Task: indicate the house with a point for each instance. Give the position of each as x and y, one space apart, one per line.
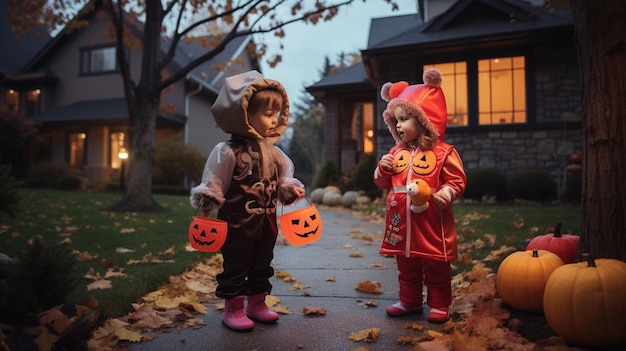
511 81
71 86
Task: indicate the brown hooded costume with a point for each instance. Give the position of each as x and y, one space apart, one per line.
243 178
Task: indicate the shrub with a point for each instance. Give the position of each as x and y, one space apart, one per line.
174 161
328 175
39 278
55 175
363 177
533 185
483 182
9 195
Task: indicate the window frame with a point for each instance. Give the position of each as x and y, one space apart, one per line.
87 57
473 95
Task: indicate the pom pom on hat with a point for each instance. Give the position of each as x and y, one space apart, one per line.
392 90
432 77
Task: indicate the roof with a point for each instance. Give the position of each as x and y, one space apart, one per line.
95 111
21 49
353 75
473 19
465 21
185 53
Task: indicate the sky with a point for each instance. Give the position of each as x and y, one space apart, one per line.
306 46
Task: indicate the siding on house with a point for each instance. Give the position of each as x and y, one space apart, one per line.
468 31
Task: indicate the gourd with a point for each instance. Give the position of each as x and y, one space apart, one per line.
563 245
317 195
349 198
585 302
331 198
522 277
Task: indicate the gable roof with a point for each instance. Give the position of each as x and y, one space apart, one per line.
21 49
95 111
477 19
466 20
185 53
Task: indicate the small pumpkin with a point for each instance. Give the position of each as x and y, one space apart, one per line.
584 302
522 277
302 226
424 162
563 245
207 234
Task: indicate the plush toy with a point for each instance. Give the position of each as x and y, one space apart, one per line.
419 192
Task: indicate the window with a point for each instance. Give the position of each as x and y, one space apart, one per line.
454 86
77 149
368 128
12 99
501 91
32 102
500 87
98 60
117 145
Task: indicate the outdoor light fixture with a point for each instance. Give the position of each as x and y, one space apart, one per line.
123 155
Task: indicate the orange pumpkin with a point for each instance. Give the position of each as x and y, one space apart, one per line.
207 234
522 277
302 226
401 161
584 302
424 162
563 245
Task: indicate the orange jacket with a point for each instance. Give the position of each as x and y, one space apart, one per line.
431 233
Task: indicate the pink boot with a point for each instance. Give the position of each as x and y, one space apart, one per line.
258 310
234 316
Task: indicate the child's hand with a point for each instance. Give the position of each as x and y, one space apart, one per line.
208 204
299 192
386 163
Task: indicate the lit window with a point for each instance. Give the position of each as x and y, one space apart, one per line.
501 91
77 149
32 102
117 145
12 98
98 60
454 87
368 128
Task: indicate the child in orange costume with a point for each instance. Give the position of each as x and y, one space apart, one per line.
423 238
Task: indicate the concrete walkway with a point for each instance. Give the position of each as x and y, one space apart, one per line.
329 269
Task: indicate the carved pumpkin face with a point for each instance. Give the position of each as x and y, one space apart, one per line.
424 162
401 161
207 234
302 226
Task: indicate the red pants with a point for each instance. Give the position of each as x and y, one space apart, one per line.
436 275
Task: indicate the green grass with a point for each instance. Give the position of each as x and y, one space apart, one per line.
80 219
95 233
511 226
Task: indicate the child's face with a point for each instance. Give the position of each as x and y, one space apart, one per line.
406 125
264 120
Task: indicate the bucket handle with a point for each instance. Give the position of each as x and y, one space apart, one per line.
282 208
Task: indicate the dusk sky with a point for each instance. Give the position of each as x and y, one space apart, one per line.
306 46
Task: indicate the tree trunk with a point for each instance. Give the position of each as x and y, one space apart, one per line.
601 39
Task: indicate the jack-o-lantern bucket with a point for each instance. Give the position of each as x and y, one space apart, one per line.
302 226
207 234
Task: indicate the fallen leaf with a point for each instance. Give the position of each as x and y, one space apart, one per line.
101 284
369 286
357 254
125 334
366 335
123 250
317 311
330 279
